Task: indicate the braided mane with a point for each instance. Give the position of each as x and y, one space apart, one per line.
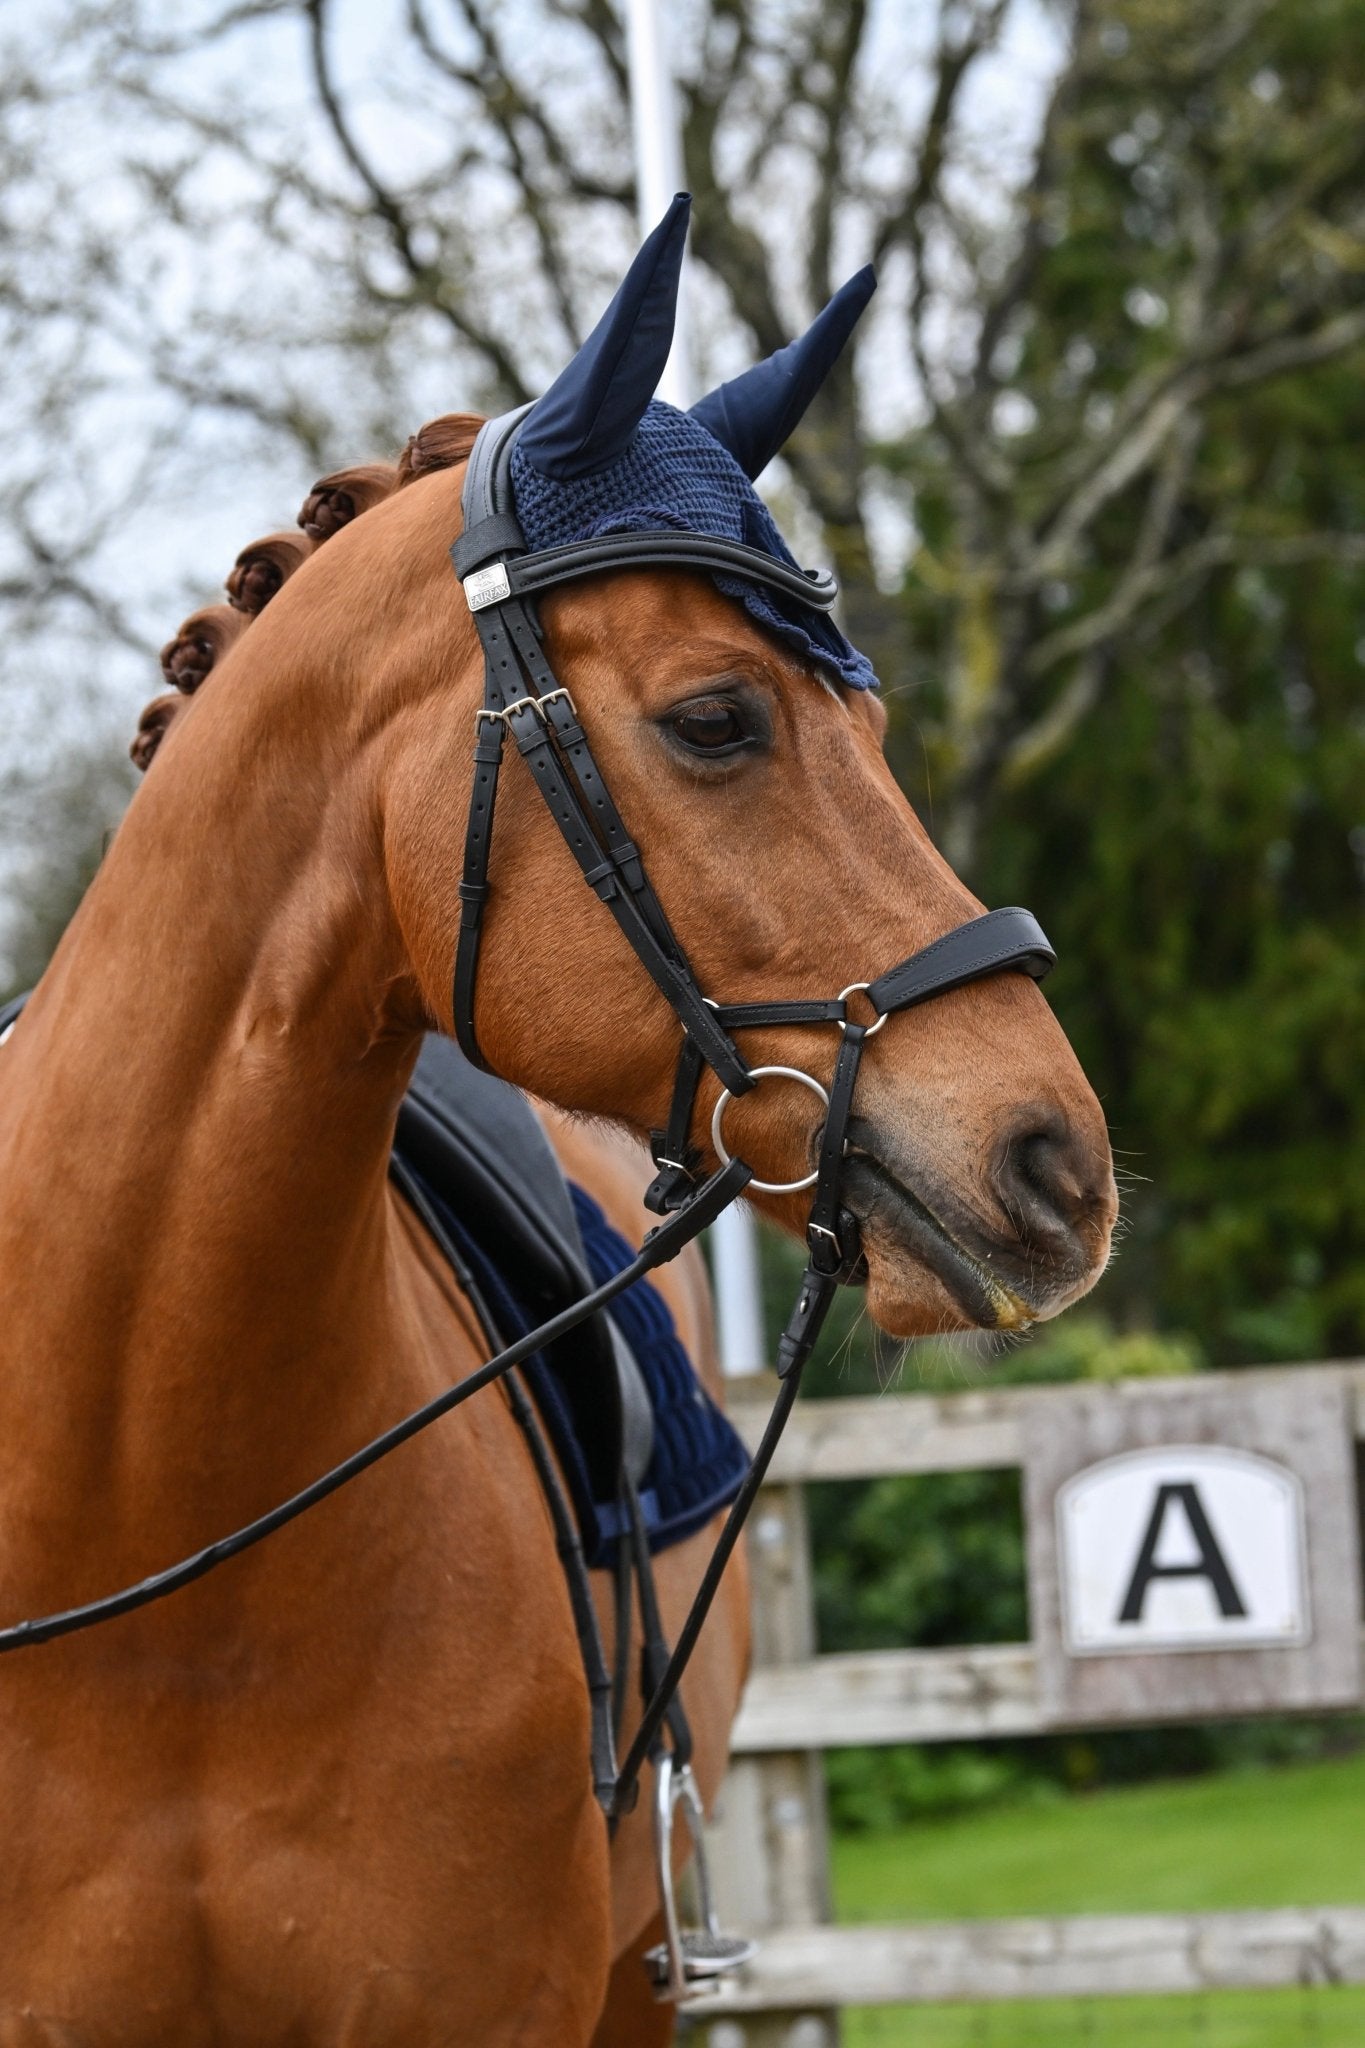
264 566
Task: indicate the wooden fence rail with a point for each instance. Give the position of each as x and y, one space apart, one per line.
979 1430
1085 1956
770 1839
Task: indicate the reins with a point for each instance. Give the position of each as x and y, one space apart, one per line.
659 1246
524 699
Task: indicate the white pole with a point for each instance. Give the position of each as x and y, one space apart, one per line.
739 1292
658 157
658 175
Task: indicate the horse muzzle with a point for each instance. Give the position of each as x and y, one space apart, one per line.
1043 1244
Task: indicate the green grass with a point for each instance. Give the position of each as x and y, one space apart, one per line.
1293 1836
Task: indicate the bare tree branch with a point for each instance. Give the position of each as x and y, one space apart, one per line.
845 29
499 95
1277 355
603 24
1180 389
506 106
906 224
1001 304
426 279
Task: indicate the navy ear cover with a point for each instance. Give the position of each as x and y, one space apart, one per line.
753 415
588 416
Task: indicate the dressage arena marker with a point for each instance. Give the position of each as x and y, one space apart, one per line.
1238 1480
1193 1549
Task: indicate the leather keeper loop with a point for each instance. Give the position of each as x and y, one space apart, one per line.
500 533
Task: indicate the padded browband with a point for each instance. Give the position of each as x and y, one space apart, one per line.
664 547
491 531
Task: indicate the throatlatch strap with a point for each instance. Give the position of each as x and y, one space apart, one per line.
489 738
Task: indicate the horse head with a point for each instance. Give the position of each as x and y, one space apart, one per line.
744 751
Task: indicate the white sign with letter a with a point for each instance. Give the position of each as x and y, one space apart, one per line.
1185 1547
1194 1547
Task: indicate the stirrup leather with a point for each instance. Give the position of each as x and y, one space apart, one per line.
688 1961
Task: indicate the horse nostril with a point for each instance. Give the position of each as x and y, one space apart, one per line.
1045 1177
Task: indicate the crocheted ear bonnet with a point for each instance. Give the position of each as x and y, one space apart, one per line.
600 454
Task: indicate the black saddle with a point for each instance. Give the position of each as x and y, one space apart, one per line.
478 1148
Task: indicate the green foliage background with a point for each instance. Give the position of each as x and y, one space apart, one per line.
1196 845
1199 852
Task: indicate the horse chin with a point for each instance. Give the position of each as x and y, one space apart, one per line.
921 1281
909 1297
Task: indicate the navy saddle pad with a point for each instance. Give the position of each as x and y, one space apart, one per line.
621 1384
537 1243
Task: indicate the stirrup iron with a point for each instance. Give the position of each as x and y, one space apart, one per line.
688 1961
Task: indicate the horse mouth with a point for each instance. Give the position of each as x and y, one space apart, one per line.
914 1228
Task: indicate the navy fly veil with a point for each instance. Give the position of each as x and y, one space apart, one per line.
600 455
675 473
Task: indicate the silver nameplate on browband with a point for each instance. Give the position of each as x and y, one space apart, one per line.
487 586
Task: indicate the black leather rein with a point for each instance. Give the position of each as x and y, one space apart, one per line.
524 699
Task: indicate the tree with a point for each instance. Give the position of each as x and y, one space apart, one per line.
1176 767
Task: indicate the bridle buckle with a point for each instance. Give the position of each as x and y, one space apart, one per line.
529 703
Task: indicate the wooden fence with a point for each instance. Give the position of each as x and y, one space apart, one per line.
769 1839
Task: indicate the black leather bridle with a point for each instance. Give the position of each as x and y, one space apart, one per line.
524 699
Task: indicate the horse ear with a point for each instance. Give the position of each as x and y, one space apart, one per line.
588 416
754 414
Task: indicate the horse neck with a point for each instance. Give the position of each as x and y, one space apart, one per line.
195 1112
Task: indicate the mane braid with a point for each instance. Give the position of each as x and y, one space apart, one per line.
201 641
336 500
440 444
262 568
152 727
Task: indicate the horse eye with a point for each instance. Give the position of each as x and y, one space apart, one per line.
709 728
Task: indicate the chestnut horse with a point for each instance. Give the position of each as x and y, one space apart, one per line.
337 1792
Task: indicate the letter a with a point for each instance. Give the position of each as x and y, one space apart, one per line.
1211 1563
